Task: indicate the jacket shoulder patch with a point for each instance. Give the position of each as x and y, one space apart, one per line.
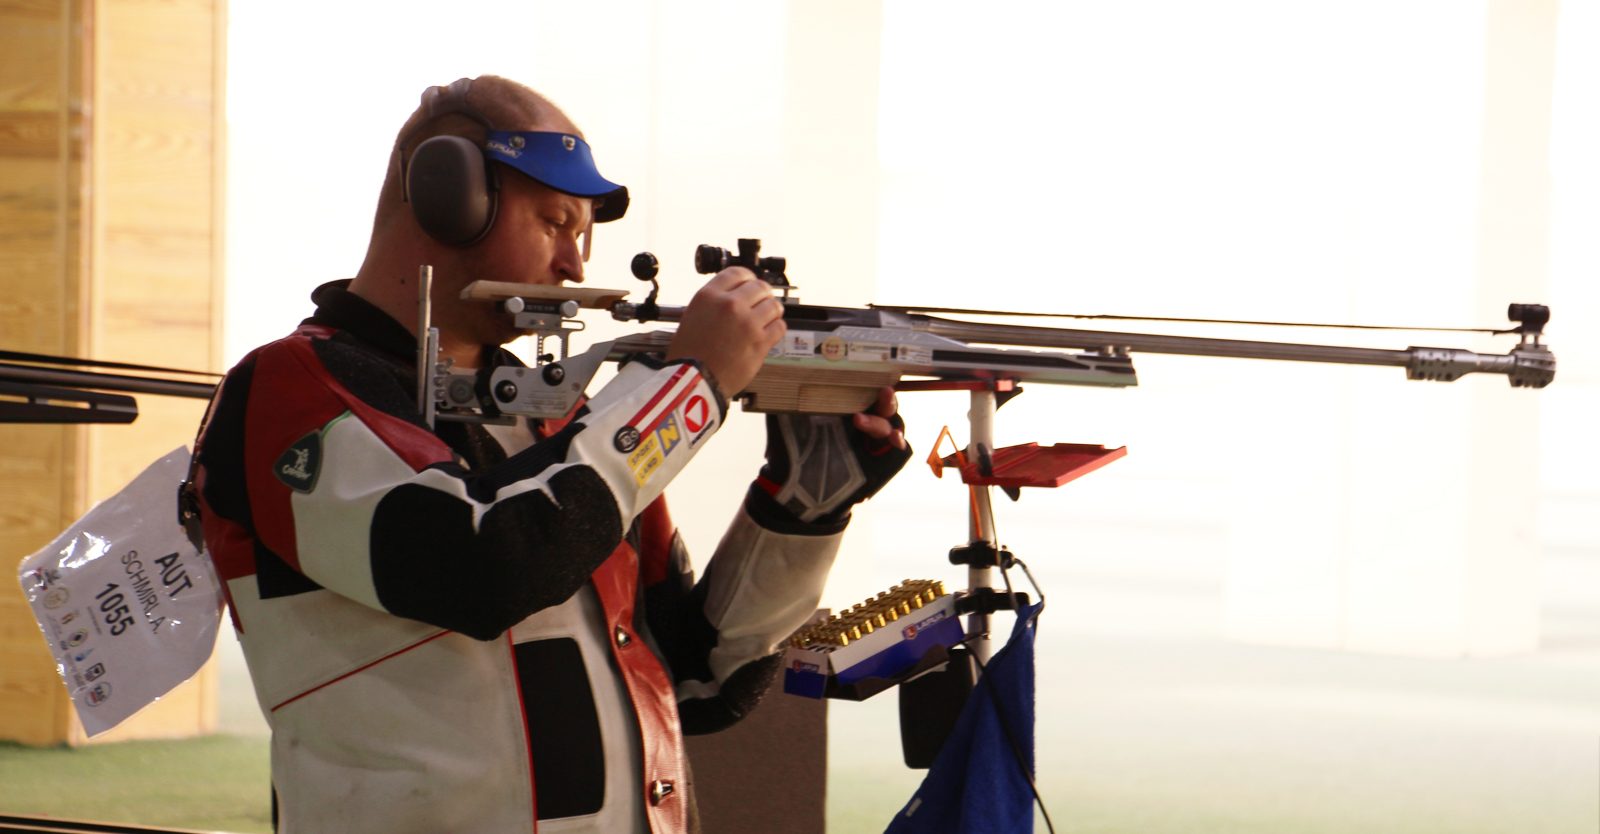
300 464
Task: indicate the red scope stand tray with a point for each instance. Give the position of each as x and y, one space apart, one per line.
1032 465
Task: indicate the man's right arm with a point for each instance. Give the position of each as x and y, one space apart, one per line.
375 507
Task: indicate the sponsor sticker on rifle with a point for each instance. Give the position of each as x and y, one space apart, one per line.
913 355
796 343
832 349
868 352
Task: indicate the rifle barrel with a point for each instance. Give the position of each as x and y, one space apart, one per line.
1529 364
108 382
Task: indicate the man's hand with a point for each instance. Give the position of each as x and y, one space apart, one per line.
729 326
819 467
875 422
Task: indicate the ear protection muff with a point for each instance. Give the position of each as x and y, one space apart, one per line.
448 186
452 188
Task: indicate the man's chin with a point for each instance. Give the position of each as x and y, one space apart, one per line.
504 336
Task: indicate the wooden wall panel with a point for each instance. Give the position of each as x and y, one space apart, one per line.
158 137
135 278
43 176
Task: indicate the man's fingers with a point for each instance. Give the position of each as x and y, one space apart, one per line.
730 325
727 281
731 278
873 426
879 428
752 293
768 310
888 404
875 423
776 328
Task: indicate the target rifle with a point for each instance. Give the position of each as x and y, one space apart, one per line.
834 360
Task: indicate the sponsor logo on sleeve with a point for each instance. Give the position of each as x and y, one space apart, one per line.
670 433
300 464
95 672
626 439
646 459
56 597
696 418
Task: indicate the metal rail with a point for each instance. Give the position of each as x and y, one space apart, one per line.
1529 364
108 382
1016 334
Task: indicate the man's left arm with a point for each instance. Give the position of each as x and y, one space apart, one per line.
767 575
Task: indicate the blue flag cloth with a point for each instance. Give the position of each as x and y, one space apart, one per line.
976 785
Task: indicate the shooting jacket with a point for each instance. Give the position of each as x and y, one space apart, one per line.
478 628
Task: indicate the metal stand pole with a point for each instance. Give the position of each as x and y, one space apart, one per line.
427 345
981 520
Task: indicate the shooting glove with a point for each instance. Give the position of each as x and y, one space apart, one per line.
818 467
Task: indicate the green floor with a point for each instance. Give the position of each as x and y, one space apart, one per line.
1149 723
215 784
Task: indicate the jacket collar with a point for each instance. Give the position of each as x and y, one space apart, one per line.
341 309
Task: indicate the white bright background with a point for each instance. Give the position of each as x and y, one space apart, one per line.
1307 161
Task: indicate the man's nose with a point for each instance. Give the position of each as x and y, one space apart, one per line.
568 264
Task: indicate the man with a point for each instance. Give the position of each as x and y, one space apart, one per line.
476 628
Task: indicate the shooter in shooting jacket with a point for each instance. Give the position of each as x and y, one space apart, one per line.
472 628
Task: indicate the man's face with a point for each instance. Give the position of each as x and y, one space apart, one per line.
536 239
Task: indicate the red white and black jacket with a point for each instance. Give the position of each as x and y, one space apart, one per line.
479 628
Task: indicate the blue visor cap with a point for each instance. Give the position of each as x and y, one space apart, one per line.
561 161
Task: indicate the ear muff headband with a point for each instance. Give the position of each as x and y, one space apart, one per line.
453 190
